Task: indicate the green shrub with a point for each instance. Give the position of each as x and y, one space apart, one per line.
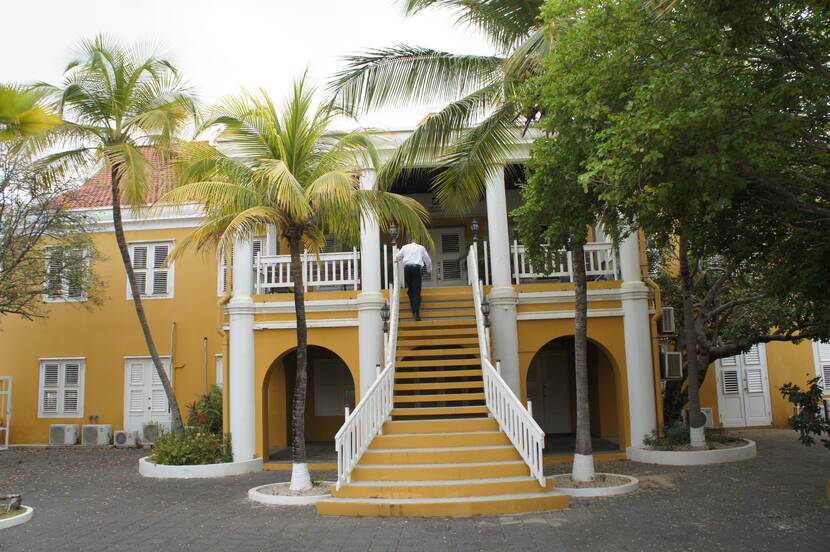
190 447
677 435
205 413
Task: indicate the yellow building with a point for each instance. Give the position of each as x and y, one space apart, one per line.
85 365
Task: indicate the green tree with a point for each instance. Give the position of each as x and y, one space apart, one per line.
478 126
23 113
114 100
285 168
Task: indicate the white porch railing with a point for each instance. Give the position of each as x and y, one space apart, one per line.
328 269
367 419
513 418
600 263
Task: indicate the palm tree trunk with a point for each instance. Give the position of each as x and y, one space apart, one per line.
173 404
300 478
696 419
583 466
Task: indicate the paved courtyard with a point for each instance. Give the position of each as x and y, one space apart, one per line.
95 500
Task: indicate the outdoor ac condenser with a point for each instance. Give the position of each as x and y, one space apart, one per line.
124 439
63 434
667 323
96 434
672 362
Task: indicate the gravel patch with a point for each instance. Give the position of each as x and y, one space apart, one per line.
565 481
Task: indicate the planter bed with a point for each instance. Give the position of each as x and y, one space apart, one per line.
17 519
617 484
149 469
692 457
278 494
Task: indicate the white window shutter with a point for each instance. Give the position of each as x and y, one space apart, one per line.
160 272
754 380
141 282
139 257
825 375
824 351
729 382
50 375
54 283
729 361
258 247
71 374
50 387
753 356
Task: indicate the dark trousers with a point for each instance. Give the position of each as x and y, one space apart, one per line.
412 279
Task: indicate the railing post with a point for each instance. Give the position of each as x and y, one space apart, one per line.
530 408
516 266
346 408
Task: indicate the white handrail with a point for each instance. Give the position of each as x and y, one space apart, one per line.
327 269
365 422
513 418
600 263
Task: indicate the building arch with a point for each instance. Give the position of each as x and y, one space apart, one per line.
331 387
550 384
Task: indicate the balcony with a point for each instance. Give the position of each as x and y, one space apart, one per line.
324 272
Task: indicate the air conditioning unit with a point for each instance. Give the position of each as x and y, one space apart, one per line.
667 324
96 435
710 422
150 432
124 439
672 365
63 434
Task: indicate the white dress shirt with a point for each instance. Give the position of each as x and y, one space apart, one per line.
414 254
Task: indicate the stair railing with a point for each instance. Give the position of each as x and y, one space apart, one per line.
513 418
365 422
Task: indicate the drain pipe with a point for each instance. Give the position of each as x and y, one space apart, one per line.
205 362
172 351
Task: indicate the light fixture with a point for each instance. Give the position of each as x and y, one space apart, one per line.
384 315
485 310
393 231
474 228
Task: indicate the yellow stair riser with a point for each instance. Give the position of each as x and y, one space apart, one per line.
439 352
439 385
444 509
439 457
439 411
431 473
443 332
426 374
433 324
437 304
441 491
407 343
450 397
440 426
431 314
441 362
440 440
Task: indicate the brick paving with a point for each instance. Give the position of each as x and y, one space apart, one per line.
88 499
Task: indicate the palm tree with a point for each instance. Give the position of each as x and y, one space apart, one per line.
283 168
114 101
478 126
23 113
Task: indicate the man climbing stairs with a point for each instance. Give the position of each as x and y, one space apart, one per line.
440 454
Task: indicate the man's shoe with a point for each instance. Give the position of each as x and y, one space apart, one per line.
417 317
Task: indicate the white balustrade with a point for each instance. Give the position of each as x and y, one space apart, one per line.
326 269
513 418
600 264
365 422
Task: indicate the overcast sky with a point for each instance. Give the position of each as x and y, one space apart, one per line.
222 45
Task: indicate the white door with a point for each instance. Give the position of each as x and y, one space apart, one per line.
449 258
743 389
548 387
144 397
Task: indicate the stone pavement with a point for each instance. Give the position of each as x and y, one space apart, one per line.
90 500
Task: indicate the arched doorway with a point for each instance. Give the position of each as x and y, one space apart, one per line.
330 389
551 388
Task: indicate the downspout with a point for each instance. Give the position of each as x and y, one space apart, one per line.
205 362
220 329
655 351
172 353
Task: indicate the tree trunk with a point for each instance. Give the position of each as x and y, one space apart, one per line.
300 479
583 466
117 223
696 418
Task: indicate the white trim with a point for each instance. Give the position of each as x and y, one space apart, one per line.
565 314
188 215
292 324
324 305
567 296
19 519
60 387
144 357
628 487
195 471
692 457
62 358
257 495
150 270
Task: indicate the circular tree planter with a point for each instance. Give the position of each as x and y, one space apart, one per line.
18 519
149 469
621 484
273 493
692 457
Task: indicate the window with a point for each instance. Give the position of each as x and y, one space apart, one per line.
61 388
153 275
66 274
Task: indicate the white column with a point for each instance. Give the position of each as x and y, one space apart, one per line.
272 242
370 300
241 399
503 298
642 409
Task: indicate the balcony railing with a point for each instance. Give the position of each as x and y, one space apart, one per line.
326 271
600 264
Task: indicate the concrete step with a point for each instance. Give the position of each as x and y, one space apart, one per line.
432 472
442 489
439 385
443 397
440 362
432 440
440 411
450 425
438 352
440 455
464 506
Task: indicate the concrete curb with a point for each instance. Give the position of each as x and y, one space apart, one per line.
19 519
631 486
264 498
692 457
149 469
